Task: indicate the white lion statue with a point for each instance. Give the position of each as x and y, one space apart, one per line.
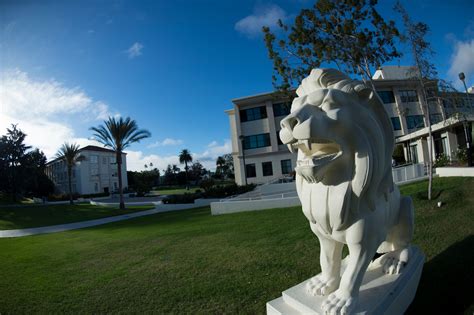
345 141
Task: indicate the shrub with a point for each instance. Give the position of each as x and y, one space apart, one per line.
461 155
441 160
184 198
207 184
222 191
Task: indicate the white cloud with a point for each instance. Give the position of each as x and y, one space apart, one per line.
136 160
462 60
42 110
135 50
267 15
166 142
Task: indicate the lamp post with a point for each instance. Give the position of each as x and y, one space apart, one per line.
462 77
243 158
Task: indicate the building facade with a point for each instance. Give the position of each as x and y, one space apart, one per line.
255 124
96 173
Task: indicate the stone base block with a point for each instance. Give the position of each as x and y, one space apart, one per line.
379 293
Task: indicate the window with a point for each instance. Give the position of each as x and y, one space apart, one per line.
253 114
435 118
104 160
96 187
278 138
408 96
267 168
250 170
94 159
73 173
386 96
112 160
415 121
257 141
94 170
286 167
281 109
396 123
115 186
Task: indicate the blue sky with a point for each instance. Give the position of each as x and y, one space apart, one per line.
173 66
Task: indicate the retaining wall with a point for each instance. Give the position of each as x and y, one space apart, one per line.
455 171
240 206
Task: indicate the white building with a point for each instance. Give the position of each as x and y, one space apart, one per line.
255 124
97 173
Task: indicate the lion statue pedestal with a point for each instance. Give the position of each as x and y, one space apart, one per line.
344 141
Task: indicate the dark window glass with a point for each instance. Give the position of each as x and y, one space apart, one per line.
386 96
435 118
278 138
396 123
286 167
257 141
408 96
281 109
253 114
250 170
415 121
267 168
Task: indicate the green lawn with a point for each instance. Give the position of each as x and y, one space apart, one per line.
191 262
35 216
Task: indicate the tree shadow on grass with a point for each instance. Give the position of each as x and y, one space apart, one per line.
446 283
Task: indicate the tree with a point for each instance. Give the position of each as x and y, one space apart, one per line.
349 33
36 182
197 170
12 154
119 134
185 157
71 154
424 71
220 163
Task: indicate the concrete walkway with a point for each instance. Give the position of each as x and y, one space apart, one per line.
76 225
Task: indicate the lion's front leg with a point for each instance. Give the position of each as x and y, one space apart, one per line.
344 299
330 260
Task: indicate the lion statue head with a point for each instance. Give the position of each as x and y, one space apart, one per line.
344 141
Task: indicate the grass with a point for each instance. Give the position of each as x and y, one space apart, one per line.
192 262
36 216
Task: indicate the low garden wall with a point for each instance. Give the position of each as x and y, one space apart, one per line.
455 171
225 207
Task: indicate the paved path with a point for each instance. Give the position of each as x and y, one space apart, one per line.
76 225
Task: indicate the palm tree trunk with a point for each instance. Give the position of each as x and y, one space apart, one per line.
186 169
69 171
119 173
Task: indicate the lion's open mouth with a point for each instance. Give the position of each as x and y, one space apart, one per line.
315 151
314 154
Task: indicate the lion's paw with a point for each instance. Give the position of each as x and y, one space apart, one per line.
393 262
339 303
318 286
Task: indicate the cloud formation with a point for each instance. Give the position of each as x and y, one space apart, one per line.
462 60
135 50
136 160
42 110
267 15
165 142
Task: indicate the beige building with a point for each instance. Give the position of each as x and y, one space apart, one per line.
97 173
255 124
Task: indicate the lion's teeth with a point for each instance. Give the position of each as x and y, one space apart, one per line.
290 147
307 144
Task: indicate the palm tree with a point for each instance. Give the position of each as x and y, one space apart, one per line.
70 153
185 157
220 162
118 134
